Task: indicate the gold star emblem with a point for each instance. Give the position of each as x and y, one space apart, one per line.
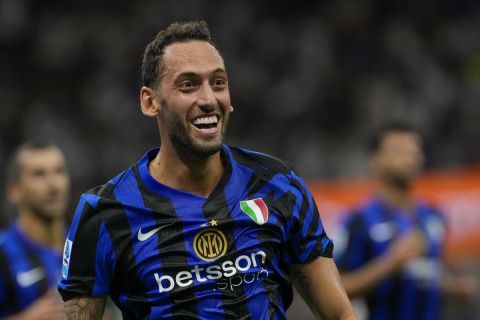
213 222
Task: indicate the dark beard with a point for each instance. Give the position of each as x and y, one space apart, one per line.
181 140
399 183
43 216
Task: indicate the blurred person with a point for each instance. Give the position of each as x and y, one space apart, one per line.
392 248
197 229
30 249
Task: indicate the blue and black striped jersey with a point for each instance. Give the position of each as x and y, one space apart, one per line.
413 293
27 271
164 253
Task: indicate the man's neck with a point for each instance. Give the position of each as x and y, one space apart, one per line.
195 174
48 234
398 197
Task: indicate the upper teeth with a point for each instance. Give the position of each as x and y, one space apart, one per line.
206 120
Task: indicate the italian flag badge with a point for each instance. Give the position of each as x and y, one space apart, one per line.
255 209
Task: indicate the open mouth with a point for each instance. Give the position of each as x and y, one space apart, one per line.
206 123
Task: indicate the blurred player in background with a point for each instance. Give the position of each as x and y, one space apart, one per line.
392 246
197 229
30 249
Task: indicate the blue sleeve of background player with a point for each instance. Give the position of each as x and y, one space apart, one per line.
3 284
88 258
352 249
9 303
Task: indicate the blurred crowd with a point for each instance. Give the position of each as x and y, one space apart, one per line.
309 80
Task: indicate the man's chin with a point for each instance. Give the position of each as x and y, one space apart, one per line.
401 181
206 149
50 213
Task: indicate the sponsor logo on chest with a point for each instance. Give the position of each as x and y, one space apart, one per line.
210 244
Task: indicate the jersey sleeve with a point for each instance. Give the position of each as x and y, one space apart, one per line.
6 291
88 257
352 249
307 238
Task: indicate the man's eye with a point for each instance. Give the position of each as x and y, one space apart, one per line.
187 84
38 173
219 82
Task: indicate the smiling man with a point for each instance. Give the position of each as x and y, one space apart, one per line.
197 229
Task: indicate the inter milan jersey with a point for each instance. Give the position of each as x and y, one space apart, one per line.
27 271
414 292
162 253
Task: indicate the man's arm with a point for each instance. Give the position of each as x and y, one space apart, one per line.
402 250
319 285
47 307
84 308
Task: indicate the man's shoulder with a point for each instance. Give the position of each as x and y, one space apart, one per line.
9 239
101 204
363 215
356 217
106 191
429 207
5 236
429 211
260 161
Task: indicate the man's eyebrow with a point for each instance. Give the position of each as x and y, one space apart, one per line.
219 70
194 74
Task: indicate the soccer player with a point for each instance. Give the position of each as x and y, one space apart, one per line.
197 229
30 249
392 254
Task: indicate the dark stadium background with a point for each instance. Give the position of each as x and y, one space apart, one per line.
309 80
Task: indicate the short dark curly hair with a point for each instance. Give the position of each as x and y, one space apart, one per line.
379 134
176 32
13 167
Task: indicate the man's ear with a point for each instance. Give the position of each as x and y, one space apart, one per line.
374 161
149 102
13 192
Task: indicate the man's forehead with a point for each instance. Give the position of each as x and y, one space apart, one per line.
41 157
401 136
192 54
397 138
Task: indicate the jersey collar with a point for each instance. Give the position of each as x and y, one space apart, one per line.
165 190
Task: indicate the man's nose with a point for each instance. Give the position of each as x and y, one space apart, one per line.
55 181
206 96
